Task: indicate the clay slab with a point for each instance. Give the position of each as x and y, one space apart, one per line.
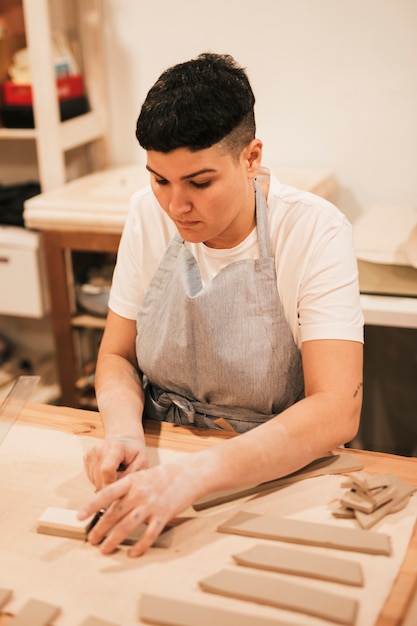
302 563
312 533
403 492
35 613
282 594
171 612
332 464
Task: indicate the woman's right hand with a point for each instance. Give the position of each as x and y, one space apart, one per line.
113 458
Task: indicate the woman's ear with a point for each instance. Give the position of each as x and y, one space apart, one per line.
252 156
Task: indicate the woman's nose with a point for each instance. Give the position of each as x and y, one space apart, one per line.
178 203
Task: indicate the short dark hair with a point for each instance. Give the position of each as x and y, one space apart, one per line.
197 104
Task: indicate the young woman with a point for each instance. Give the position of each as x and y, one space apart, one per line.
234 302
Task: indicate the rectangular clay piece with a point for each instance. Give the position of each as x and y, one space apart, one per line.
5 595
403 492
35 613
332 464
302 563
64 523
312 533
381 496
171 612
368 501
282 594
356 501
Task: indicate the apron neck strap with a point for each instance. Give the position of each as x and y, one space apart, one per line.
262 222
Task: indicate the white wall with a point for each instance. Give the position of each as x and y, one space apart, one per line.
335 80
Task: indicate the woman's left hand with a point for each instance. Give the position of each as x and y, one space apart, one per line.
151 496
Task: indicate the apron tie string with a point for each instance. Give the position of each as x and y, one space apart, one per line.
173 406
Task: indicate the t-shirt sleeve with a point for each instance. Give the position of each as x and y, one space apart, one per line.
329 301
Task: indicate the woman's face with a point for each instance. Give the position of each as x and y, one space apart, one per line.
208 194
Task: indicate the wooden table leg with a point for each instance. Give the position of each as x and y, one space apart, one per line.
61 316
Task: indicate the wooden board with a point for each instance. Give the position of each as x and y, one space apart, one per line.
312 533
410 618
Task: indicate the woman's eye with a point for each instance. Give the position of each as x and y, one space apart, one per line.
161 181
200 185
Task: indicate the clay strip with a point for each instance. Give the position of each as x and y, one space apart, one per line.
333 464
302 563
399 501
370 498
170 612
35 613
312 533
364 501
282 594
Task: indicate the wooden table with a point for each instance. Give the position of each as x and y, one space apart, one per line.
84 422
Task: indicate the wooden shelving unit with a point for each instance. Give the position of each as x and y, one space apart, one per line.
60 151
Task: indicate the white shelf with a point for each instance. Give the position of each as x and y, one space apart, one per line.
81 130
18 133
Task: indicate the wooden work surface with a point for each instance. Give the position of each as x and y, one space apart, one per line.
87 423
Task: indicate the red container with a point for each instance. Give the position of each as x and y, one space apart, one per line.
68 87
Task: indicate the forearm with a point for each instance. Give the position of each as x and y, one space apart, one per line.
120 397
301 434
307 430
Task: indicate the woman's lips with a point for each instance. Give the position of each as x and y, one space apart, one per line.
188 224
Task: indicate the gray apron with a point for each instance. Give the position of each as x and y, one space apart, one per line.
220 355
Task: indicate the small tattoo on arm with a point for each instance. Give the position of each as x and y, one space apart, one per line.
358 388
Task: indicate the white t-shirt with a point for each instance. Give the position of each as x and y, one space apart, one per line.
317 277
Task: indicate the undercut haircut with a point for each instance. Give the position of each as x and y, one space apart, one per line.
198 104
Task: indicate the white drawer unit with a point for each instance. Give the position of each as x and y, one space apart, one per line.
22 282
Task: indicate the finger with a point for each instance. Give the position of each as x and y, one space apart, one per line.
153 530
137 465
110 534
110 467
104 525
104 498
114 533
